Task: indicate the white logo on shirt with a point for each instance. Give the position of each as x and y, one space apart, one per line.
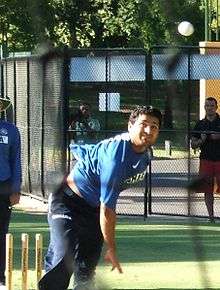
3 139
136 178
136 165
3 131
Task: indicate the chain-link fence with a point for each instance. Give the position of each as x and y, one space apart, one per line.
182 78
113 82
35 87
46 92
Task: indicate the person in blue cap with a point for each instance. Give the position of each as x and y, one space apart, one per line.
10 180
82 212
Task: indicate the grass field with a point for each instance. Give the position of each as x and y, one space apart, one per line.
159 253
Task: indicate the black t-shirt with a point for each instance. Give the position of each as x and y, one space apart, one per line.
210 149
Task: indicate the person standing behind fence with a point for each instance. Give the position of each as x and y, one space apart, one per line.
10 180
82 213
207 138
84 125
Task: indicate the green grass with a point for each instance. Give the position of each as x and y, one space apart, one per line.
32 224
159 253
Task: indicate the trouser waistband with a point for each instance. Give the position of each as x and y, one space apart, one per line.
69 192
73 196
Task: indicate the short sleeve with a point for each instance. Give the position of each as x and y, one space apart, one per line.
111 174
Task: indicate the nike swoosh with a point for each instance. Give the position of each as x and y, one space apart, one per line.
135 165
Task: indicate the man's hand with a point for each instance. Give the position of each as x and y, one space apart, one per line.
197 142
14 198
110 257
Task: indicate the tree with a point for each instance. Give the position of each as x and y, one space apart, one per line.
97 23
158 21
24 23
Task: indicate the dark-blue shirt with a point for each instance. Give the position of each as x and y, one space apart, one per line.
104 169
210 149
10 152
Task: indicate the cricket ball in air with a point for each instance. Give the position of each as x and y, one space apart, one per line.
185 28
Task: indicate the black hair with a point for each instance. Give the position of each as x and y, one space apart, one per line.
78 115
82 103
211 99
146 110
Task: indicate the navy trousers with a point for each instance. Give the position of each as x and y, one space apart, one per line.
75 241
5 214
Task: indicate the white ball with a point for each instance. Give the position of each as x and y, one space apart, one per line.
185 28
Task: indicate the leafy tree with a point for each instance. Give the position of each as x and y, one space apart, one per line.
24 23
158 21
97 23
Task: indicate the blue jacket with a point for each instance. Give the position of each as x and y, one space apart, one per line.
10 155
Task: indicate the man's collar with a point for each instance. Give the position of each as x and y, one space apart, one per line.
216 117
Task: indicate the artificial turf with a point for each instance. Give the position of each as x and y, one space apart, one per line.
156 253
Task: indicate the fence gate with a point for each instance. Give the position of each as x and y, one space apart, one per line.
113 82
179 81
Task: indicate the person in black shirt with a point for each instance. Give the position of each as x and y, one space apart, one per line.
84 127
206 136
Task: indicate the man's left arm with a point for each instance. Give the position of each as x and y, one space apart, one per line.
15 162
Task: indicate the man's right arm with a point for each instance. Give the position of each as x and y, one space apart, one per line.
197 138
196 142
107 223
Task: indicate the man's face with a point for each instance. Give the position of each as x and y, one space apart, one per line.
85 110
210 108
143 132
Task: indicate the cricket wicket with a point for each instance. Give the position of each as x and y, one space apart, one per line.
38 256
9 261
24 259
